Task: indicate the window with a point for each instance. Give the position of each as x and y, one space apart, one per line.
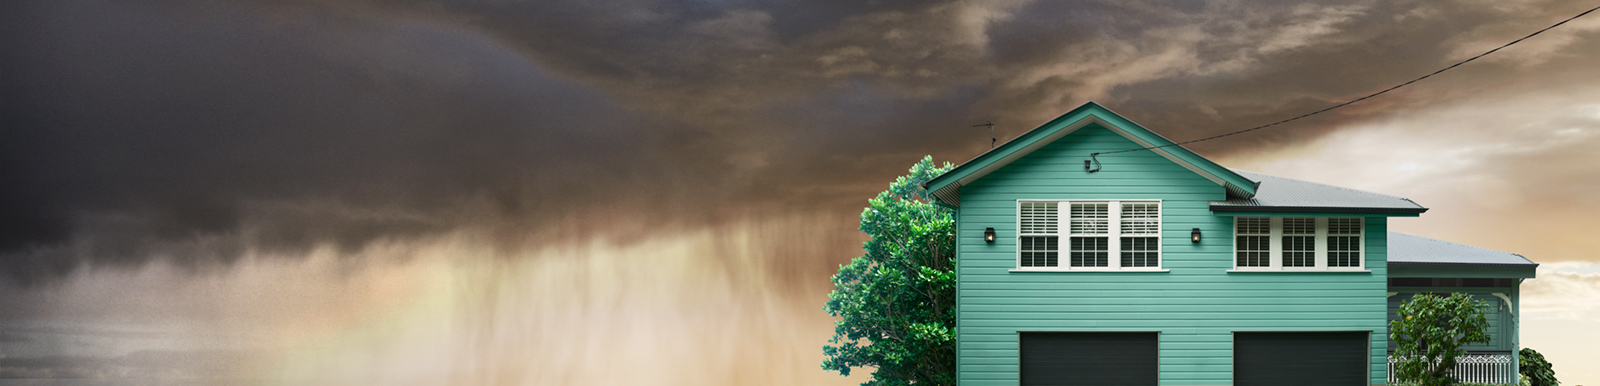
1038 241
1344 242
1089 232
1099 235
1141 234
1298 243
1252 242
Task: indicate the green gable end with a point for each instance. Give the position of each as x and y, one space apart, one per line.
947 187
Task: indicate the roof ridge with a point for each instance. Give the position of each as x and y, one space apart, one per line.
1325 185
1460 244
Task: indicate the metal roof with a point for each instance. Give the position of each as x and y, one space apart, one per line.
1407 249
1278 194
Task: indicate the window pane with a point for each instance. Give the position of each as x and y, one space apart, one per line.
1252 242
1299 226
1299 242
1038 251
1344 251
1089 219
1299 251
1089 252
1254 226
1253 251
1344 226
1141 252
1038 218
1141 219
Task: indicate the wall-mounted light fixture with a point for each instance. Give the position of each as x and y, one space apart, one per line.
988 235
1194 235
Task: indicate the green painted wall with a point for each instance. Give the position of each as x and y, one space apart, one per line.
1196 306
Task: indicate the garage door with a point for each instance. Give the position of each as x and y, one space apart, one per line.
1088 358
1300 358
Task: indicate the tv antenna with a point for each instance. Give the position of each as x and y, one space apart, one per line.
992 139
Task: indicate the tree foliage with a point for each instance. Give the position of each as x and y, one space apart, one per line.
1535 369
896 303
1430 333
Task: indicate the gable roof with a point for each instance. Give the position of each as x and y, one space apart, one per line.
947 187
1407 249
1278 194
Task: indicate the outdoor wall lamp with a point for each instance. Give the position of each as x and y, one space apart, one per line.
1194 235
988 235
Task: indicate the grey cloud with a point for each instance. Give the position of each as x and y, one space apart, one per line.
194 131
140 128
10 337
167 366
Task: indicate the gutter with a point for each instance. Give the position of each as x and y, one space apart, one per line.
1486 265
1311 209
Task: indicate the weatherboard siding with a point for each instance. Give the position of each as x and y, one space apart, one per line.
1195 306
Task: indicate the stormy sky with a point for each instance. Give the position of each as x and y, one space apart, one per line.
445 192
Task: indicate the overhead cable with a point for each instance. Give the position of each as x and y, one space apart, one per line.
1458 64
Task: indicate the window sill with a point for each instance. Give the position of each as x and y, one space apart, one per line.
1089 270
1298 270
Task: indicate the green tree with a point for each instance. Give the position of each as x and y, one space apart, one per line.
1535 369
1430 332
896 303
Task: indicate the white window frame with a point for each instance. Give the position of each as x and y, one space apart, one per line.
1275 240
1113 237
1059 234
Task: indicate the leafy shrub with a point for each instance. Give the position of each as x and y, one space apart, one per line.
1535 369
1430 333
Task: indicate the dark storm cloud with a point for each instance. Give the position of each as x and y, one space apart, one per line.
131 126
9 337
196 131
147 364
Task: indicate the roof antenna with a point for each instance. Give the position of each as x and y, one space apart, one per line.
992 139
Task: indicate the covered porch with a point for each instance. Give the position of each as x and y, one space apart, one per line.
1420 265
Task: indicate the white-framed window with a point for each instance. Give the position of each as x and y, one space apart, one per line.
1097 235
1344 242
1298 244
1038 240
1252 242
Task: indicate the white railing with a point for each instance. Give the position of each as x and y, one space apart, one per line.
1480 368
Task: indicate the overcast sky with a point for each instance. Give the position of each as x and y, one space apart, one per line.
655 192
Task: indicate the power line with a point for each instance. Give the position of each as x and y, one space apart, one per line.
1458 64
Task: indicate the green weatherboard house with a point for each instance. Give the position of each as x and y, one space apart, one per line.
1162 267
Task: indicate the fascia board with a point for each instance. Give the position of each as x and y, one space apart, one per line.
1311 214
1281 210
1403 270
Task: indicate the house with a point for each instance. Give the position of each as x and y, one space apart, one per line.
1163 267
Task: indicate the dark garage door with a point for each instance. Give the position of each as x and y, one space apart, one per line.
1300 358
1088 358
